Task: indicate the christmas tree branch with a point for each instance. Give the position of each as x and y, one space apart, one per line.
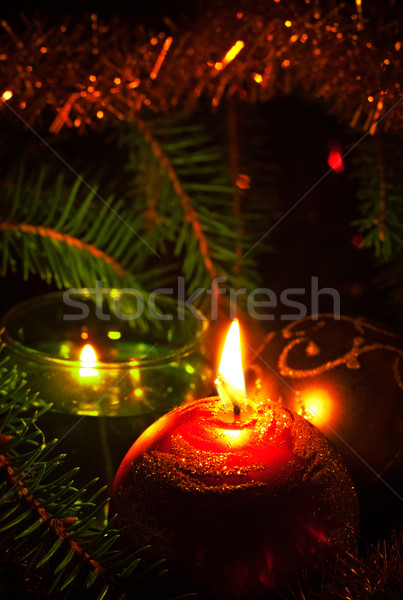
235 172
67 239
379 194
189 212
46 524
181 171
56 526
78 241
383 194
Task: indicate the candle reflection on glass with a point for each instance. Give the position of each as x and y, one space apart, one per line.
88 361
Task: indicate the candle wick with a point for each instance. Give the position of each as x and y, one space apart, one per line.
237 410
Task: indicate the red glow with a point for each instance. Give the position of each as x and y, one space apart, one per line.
335 160
357 240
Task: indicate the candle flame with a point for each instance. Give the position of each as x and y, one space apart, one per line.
230 381
88 360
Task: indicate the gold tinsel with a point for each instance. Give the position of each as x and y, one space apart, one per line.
88 72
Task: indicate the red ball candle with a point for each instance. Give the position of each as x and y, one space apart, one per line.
239 498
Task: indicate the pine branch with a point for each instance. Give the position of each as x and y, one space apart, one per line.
233 139
380 193
46 524
45 232
66 234
190 214
181 173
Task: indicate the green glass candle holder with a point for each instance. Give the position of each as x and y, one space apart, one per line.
134 369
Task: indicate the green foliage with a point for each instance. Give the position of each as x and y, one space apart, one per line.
175 205
181 181
47 533
378 165
61 229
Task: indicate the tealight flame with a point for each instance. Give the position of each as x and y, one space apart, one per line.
88 355
88 360
230 381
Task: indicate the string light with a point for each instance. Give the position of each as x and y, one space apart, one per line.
378 111
360 14
161 58
269 51
230 55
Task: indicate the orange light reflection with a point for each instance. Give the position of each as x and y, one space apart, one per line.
88 360
230 55
317 406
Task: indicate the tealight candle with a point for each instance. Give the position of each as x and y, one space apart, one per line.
238 495
108 378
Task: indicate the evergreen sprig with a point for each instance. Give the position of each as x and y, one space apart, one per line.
65 232
379 194
182 183
47 533
176 206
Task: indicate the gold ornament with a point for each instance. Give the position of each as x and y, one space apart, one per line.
344 376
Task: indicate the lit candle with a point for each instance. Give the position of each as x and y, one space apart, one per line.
239 495
107 378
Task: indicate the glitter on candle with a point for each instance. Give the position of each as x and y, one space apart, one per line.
161 57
